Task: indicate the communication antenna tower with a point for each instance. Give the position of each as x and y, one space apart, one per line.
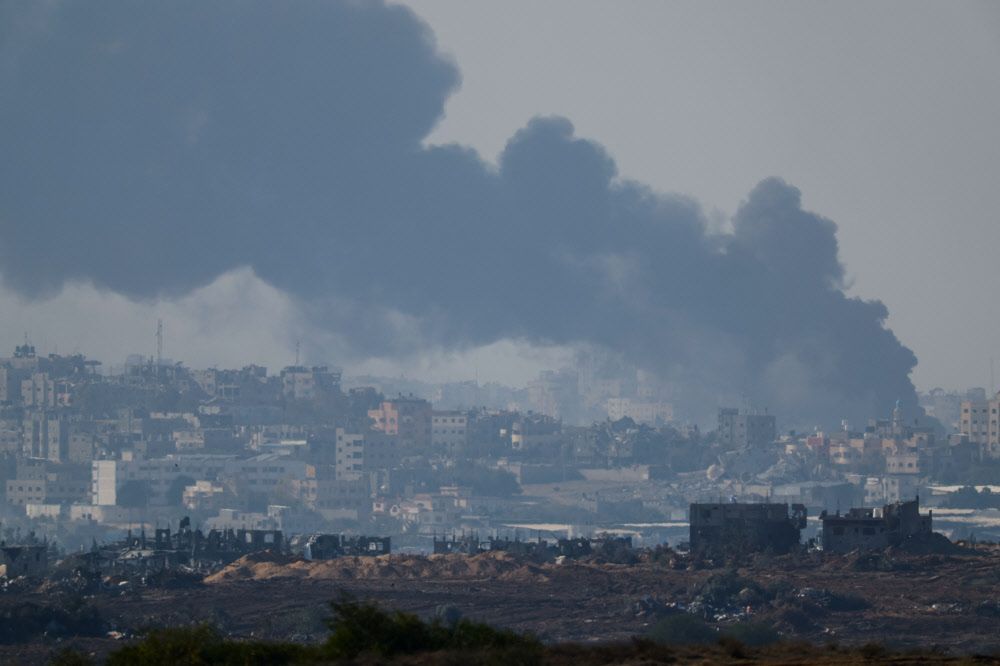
298 344
159 344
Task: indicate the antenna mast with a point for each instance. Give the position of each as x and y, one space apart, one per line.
159 345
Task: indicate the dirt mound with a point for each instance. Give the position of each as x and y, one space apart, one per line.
452 566
930 544
527 573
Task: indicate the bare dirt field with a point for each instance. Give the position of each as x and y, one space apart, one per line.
948 602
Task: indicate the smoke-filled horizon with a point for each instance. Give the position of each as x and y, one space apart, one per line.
149 149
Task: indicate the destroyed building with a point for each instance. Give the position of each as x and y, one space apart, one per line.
467 544
329 546
540 549
874 529
724 528
185 547
582 546
23 560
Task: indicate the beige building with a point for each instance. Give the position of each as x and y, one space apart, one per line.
407 418
10 385
350 458
10 440
449 431
38 481
979 421
38 391
302 383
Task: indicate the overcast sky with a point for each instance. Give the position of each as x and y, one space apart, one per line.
883 114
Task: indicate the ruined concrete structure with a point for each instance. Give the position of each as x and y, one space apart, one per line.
740 430
24 560
329 546
539 549
467 544
874 529
723 528
602 544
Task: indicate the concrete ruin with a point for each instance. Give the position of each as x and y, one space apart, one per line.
735 528
31 561
467 544
329 546
539 549
875 529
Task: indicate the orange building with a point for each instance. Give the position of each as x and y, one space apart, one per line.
407 418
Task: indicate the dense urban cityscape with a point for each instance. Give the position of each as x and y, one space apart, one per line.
88 455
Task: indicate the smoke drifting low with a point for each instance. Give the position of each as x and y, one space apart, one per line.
150 147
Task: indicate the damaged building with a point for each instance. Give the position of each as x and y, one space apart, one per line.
24 560
185 547
329 546
467 544
723 528
875 529
539 549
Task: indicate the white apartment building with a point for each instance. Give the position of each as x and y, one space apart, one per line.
979 421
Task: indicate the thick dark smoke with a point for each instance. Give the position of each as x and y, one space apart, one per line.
149 147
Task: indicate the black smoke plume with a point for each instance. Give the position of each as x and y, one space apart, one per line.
147 148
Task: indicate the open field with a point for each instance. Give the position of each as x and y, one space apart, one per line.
950 603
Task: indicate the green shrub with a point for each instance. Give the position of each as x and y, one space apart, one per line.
754 634
363 627
683 629
733 647
872 651
24 621
356 628
194 646
723 590
70 657
847 603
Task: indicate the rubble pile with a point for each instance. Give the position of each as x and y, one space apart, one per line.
490 565
267 566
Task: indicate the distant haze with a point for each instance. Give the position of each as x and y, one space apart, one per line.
167 153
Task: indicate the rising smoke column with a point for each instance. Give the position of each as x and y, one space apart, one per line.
149 148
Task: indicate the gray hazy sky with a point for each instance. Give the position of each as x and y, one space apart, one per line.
886 115
883 114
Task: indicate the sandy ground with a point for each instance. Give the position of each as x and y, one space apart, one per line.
924 601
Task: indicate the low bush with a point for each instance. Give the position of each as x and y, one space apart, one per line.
730 589
683 629
845 603
25 621
204 645
357 628
754 634
733 647
363 627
